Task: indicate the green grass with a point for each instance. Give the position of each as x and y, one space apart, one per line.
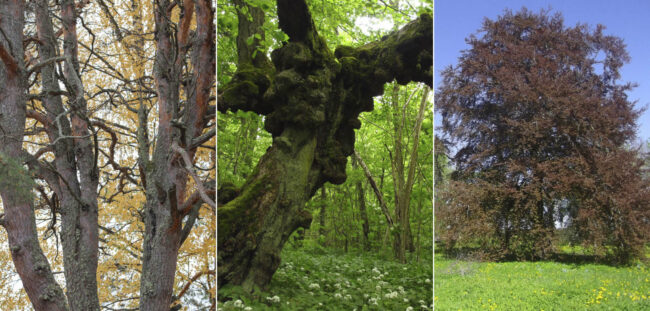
467 285
330 280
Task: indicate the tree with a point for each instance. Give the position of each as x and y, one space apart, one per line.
311 99
538 118
70 121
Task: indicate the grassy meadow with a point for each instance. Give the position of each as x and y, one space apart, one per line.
469 285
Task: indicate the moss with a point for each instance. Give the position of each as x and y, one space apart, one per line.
226 193
234 214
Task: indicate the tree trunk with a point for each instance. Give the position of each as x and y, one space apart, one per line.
364 215
312 103
167 173
323 208
19 220
79 233
404 184
373 185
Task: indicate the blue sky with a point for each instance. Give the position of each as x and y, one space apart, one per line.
455 20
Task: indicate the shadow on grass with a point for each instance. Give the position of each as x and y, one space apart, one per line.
483 255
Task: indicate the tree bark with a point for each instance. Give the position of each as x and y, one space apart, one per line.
312 103
168 200
19 220
80 229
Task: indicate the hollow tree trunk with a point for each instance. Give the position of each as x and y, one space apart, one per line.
312 103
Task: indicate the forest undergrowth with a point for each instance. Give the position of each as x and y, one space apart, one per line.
317 278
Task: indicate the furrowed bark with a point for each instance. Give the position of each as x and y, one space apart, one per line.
19 220
80 228
166 177
312 100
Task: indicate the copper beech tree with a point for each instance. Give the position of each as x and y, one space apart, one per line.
311 99
541 125
43 76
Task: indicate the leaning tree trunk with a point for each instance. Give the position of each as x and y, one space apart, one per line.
19 219
312 102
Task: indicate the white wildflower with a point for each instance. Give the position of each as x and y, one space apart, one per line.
337 285
248 309
337 295
378 287
406 300
273 299
375 270
391 295
238 303
365 295
409 308
427 281
421 302
424 307
348 297
314 286
373 301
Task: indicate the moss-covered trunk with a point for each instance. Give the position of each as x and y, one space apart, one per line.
254 227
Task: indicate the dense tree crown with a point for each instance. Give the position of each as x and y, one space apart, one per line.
541 126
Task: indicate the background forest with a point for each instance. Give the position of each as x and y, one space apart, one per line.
348 257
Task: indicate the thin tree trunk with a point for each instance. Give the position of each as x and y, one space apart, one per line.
364 216
323 208
373 185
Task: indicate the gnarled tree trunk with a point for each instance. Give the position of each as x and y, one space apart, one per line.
312 100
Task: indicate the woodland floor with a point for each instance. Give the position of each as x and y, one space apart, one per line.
468 285
314 278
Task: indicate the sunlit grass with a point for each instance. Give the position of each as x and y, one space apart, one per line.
466 285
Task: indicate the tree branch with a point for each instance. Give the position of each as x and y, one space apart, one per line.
10 61
190 170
